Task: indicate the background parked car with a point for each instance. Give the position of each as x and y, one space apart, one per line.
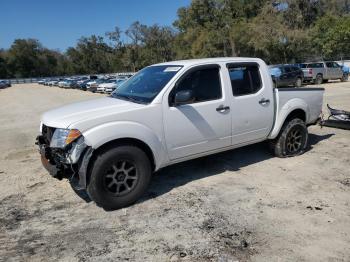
42 81
286 75
53 82
346 71
4 83
82 84
61 83
69 83
92 87
101 88
321 72
111 87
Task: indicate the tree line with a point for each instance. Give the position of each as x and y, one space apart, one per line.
277 31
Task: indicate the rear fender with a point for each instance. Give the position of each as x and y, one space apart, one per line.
285 111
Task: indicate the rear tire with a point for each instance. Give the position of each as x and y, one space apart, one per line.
319 79
119 177
292 139
299 82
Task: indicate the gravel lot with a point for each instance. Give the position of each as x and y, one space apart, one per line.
242 205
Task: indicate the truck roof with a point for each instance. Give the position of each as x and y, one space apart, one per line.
210 60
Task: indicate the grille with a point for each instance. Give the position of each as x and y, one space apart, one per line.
47 133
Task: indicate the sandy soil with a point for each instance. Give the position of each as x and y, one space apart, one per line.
242 205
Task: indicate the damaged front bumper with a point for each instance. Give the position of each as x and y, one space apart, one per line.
70 162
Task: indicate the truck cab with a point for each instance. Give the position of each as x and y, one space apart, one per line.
169 113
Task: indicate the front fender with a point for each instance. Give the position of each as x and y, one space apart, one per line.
99 135
283 113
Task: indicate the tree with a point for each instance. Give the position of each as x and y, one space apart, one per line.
132 55
91 55
157 44
3 65
23 57
331 36
114 37
277 31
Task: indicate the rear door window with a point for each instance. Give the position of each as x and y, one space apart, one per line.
287 69
336 65
316 65
245 78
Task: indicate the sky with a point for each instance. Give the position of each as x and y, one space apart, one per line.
58 24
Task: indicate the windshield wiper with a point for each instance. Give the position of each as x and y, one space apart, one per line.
129 98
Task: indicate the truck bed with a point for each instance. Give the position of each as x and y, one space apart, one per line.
286 98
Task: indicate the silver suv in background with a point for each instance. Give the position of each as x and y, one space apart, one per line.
321 72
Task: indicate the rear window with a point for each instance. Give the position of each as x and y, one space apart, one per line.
245 78
288 69
315 65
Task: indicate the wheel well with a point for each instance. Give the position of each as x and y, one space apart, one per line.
129 141
297 113
118 142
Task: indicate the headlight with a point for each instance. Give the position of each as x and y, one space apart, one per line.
62 137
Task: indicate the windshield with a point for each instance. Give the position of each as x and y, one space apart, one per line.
146 84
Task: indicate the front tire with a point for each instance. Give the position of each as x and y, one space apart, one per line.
344 78
292 140
299 82
119 177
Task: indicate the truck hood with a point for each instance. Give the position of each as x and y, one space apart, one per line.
67 115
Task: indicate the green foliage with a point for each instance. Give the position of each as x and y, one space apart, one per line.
3 65
332 40
276 31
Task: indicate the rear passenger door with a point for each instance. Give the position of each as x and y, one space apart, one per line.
338 72
252 107
297 73
289 76
330 73
284 76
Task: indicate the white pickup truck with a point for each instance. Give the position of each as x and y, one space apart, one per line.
169 113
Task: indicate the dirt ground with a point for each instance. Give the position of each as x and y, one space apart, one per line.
242 205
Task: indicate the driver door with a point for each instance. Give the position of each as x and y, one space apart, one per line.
203 124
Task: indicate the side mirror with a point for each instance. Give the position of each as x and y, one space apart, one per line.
183 97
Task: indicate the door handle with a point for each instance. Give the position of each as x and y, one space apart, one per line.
264 101
222 108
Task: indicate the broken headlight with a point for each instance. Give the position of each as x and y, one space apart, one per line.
62 137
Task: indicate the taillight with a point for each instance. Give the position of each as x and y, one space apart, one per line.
310 71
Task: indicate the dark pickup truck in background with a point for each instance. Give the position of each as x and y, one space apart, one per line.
286 75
